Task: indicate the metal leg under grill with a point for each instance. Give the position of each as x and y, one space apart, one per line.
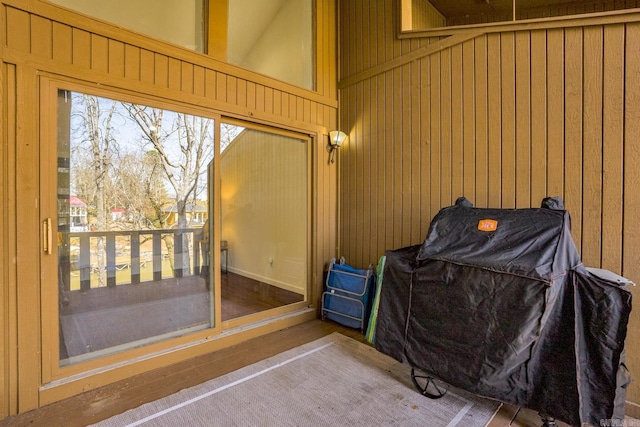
428 386
547 421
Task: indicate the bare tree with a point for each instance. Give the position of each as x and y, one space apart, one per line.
138 188
196 143
182 151
95 121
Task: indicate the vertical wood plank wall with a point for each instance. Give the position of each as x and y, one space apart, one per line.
503 119
38 37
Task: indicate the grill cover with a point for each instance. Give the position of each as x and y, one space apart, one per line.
497 302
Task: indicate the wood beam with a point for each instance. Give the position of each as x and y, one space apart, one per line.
407 58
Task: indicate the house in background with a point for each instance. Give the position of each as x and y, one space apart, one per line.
118 214
77 214
503 113
196 214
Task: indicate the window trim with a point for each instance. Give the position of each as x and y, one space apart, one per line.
217 19
599 18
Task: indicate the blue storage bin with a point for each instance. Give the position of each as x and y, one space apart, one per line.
346 298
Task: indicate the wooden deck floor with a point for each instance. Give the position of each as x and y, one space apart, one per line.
247 295
106 317
102 403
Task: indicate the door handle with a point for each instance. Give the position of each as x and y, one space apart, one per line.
47 236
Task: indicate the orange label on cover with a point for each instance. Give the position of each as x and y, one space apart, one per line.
487 225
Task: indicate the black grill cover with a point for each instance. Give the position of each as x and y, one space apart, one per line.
497 302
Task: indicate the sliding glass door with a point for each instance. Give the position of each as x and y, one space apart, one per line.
163 227
264 208
132 225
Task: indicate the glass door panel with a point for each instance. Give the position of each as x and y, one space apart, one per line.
264 220
133 225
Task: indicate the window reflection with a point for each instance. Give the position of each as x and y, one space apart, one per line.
263 195
430 14
132 207
177 21
272 37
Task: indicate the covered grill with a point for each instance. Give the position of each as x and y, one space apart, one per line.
497 302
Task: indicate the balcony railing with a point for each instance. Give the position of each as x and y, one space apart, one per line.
81 253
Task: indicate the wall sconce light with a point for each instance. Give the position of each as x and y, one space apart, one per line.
336 139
